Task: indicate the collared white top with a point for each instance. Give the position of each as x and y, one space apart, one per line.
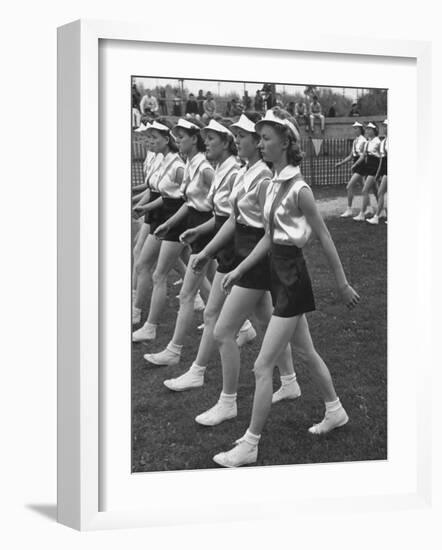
373 146
193 188
290 225
150 157
165 180
384 147
221 188
358 146
249 193
153 171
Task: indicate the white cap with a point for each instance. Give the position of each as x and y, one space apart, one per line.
385 122
270 118
371 125
357 125
216 127
142 128
158 126
245 124
182 123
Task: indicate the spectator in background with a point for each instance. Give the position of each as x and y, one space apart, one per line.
236 107
247 101
149 105
192 110
200 100
332 111
162 101
301 114
354 111
316 112
209 108
258 102
177 105
291 108
136 115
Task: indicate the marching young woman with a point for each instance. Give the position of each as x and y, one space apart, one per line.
220 150
372 154
251 293
381 173
197 210
291 214
357 168
165 201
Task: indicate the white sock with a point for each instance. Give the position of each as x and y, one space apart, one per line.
149 325
251 438
197 369
246 325
227 398
287 379
332 406
174 348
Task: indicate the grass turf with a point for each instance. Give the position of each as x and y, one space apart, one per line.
352 343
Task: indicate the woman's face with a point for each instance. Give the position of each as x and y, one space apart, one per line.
149 141
215 146
246 143
185 141
272 145
358 131
370 132
159 141
385 129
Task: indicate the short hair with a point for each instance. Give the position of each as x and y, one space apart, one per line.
295 154
172 143
376 129
200 145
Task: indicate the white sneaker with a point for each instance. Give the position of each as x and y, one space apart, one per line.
178 282
200 327
136 315
374 220
287 391
198 304
165 357
330 421
146 332
245 336
359 218
186 381
347 214
218 413
243 453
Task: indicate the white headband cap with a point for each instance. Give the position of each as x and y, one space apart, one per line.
245 124
386 122
158 126
182 123
357 125
371 125
270 118
216 127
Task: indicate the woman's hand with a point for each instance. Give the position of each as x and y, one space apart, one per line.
138 211
161 230
189 235
200 261
349 296
230 279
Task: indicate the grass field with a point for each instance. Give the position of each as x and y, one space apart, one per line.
353 344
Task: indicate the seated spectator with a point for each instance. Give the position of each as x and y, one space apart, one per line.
149 105
192 110
247 101
301 114
316 113
354 111
236 107
136 115
209 108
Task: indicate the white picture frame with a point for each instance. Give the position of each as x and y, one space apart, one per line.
79 460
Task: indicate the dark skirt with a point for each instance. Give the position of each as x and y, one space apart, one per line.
194 218
383 169
246 238
150 217
359 169
371 165
225 256
169 208
291 288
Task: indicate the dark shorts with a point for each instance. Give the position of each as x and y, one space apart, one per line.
359 169
153 214
246 238
371 165
291 288
225 256
383 169
169 208
194 218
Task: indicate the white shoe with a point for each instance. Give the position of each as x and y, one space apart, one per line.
245 336
287 391
243 453
200 327
198 304
165 357
186 381
359 218
146 332
176 283
218 413
136 315
347 214
374 220
330 421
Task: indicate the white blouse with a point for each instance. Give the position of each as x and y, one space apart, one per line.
194 190
150 157
165 180
249 193
153 171
358 146
221 188
384 147
373 146
290 225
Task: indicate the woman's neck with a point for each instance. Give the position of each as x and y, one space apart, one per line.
253 160
224 156
165 151
192 153
279 165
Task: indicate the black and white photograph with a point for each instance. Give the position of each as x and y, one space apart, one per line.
259 274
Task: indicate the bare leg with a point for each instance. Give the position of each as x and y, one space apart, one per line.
354 180
369 182
144 267
381 194
141 238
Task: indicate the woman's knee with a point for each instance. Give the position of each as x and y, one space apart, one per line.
223 333
262 369
210 316
143 266
159 277
306 354
187 296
